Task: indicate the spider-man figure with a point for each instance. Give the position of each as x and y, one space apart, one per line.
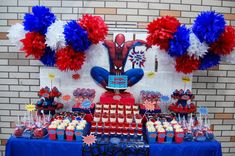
118 53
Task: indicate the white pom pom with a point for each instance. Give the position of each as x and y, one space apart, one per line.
197 48
55 36
16 33
229 58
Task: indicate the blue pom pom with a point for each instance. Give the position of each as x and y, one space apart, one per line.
209 60
76 36
48 58
40 20
180 42
208 26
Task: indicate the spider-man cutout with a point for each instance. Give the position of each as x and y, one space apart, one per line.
118 52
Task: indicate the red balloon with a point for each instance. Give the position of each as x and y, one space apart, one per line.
34 44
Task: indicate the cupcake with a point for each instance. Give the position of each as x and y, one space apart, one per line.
75 122
69 133
106 106
151 134
129 118
135 107
132 133
105 110
179 135
98 110
138 118
100 124
128 111
157 123
98 105
113 106
119 132
135 111
139 134
60 131
174 122
126 125
113 110
149 123
169 134
79 132
97 117
120 106
83 123
161 135
128 107
120 111
112 117
105 117
120 118
18 131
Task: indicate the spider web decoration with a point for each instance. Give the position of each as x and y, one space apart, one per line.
89 139
137 58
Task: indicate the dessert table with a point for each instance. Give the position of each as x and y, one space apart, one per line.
42 147
46 147
212 148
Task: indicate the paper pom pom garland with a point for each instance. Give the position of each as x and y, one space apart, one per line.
55 35
34 44
95 26
186 64
42 35
190 49
16 33
48 57
196 48
226 42
180 42
229 58
39 20
209 60
161 30
208 26
68 59
76 36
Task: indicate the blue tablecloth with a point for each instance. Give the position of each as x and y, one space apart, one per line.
186 149
42 147
46 147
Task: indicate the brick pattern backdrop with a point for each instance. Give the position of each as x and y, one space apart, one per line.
19 77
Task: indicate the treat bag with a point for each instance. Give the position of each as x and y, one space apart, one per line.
152 137
169 136
161 137
179 137
52 133
78 135
60 134
69 135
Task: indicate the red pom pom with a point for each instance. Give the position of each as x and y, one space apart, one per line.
34 44
68 59
161 31
186 64
95 26
226 42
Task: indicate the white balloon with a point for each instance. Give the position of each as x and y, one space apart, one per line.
196 48
16 33
229 58
55 35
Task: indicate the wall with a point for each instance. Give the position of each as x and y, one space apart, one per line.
19 77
